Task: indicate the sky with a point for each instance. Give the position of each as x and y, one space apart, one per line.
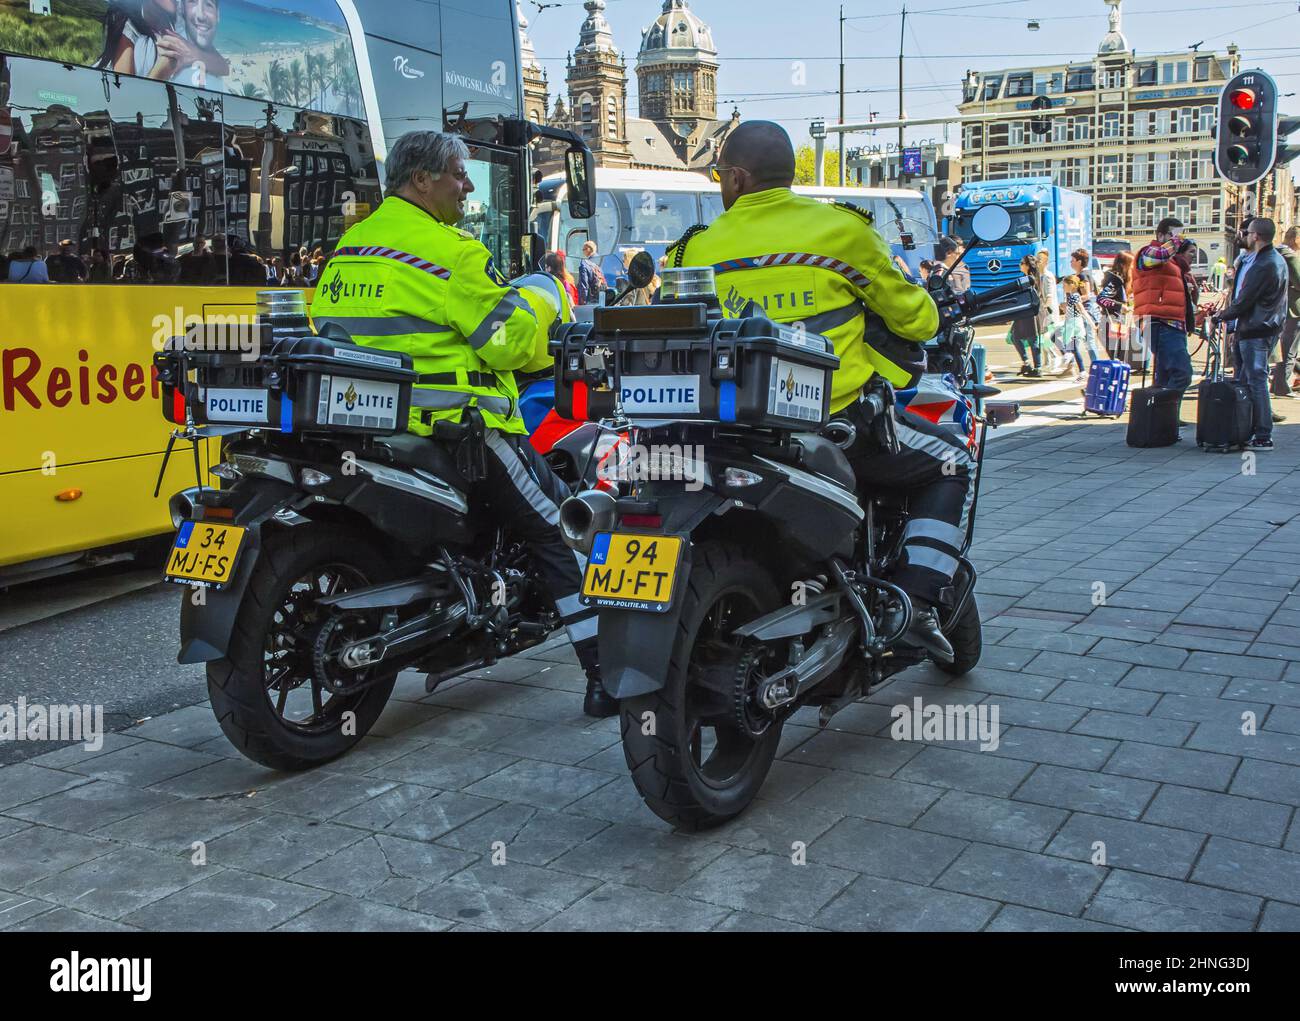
780 58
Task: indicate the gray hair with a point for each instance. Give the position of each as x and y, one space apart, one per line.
421 150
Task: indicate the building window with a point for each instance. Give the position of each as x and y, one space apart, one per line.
1110 125
1173 72
1202 69
1081 131
1159 167
1109 170
992 85
1110 215
1162 119
1021 84
1147 73
1018 133
1182 166
1208 119
1139 168
1185 120
1205 212
1079 79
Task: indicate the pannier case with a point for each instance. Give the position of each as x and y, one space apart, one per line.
303 383
677 363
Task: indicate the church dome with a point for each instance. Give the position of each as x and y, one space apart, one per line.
677 34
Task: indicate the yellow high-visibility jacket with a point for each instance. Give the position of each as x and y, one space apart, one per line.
402 281
804 261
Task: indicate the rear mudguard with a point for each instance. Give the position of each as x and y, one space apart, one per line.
636 647
208 620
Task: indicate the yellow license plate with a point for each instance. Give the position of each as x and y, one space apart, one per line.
204 552
633 572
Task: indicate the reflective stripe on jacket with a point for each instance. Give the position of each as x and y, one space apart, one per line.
805 261
402 281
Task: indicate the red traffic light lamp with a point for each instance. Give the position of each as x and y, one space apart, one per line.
1244 99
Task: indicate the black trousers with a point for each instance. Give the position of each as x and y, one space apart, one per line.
1286 359
523 495
936 471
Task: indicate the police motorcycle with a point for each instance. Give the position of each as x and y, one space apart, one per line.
741 580
340 549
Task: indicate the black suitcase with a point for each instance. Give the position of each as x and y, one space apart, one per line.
1153 417
1225 415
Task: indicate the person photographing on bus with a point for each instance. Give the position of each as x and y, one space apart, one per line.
406 279
770 244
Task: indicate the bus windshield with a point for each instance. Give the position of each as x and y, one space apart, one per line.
1024 225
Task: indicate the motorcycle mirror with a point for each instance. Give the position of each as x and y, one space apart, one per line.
641 270
990 224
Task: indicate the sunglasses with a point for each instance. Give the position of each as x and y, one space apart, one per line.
715 171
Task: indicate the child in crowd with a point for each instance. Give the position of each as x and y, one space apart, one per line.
1075 334
1092 317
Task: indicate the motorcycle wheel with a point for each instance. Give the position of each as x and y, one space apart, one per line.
698 767
267 666
967 639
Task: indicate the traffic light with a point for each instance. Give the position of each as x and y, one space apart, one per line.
1041 126
1286 153
1247 134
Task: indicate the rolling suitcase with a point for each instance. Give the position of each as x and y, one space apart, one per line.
1225 415
1153 417
1107 389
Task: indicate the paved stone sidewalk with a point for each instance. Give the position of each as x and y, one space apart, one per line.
1140 612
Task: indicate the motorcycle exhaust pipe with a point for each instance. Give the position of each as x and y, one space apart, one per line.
582 516
181 506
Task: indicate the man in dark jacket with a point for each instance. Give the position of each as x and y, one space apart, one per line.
1260 310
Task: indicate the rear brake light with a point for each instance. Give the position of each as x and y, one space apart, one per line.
224 513
642 520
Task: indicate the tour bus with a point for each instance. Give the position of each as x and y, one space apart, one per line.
183 190
650 209
1044 217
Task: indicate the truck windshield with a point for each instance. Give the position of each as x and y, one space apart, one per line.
1024 225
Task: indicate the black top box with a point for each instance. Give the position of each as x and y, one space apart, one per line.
677 364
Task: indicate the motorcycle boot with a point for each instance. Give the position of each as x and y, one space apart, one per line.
924 631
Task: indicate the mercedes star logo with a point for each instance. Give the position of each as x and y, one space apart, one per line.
995 265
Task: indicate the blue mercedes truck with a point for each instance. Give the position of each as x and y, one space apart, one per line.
1044 217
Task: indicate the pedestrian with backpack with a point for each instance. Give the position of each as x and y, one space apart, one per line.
591 281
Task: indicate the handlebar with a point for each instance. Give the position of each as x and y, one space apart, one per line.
998 293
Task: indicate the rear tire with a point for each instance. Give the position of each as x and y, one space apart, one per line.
679 783
238 685
967 640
